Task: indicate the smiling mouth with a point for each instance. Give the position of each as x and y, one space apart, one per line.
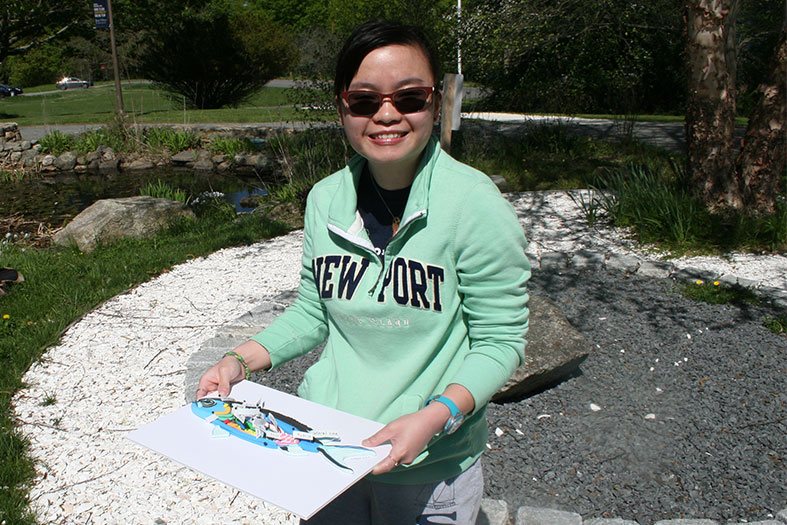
387 136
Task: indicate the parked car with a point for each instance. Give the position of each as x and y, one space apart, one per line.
72 82
9 91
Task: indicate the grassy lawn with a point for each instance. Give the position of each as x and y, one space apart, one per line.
142 103
145 104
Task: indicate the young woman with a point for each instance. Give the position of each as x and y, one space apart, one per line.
414 268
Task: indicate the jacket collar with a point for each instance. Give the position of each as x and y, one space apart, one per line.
344 205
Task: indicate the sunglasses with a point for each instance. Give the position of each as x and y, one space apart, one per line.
407 100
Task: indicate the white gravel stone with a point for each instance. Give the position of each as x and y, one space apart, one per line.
121 367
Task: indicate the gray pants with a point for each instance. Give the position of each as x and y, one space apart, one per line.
453 501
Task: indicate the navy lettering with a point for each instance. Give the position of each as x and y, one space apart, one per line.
437 275
327 275
350 276
410 282
400 281
386 282
418 285
317 271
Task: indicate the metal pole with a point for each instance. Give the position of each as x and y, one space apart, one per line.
459 42
115 59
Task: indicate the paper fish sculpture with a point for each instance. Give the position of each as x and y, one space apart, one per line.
270 429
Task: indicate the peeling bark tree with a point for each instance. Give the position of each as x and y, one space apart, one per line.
763 157
710 104
750 183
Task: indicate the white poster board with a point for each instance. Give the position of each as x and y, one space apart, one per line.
299 484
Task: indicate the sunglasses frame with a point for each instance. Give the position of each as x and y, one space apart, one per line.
388 96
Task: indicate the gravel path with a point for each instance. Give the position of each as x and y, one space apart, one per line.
679 412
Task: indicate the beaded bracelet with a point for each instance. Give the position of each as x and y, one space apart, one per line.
239 357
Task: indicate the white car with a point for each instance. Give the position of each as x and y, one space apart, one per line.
72 82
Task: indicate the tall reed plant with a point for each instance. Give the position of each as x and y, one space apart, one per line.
160 139
660 207
162 190
305 158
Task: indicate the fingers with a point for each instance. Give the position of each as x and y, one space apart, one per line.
378 438
386 465
224 383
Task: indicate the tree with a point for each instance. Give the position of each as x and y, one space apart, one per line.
572 55
763 158
25 24
749 183
710 106
218 55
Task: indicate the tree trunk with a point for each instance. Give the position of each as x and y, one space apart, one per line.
763 158
710 105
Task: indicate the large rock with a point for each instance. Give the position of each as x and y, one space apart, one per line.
554 351
66 161
112 219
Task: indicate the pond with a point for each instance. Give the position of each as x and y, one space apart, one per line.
55 199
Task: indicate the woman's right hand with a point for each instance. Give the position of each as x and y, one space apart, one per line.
219 377
229 369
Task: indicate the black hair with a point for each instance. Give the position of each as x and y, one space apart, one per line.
373 35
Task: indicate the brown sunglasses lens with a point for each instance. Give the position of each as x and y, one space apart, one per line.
367 103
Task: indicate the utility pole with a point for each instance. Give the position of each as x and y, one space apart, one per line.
115 60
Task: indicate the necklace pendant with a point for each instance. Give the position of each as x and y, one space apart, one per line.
395 225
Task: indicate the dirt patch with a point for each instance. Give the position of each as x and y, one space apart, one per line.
26 232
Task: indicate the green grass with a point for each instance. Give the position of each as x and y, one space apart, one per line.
777 325
61 285
718 293
143 104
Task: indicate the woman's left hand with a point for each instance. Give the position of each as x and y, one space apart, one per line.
408 435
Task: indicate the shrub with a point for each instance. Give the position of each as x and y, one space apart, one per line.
218 56
659 206
213 205
159 139
56 142
114 137
230 146
162 190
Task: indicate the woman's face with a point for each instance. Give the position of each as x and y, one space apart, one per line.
392 142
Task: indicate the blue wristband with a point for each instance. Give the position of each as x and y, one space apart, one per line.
456 418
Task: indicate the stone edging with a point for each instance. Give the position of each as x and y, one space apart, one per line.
18 154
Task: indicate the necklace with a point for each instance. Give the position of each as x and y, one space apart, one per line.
395 219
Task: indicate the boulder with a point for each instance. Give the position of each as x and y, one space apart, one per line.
112 219
501 183
66 161
139 164
183 157
554 351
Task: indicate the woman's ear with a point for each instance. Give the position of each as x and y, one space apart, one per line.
338 103
438 103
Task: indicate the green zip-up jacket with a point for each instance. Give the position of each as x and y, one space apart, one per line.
447 303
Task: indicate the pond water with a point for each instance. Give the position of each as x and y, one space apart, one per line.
55 199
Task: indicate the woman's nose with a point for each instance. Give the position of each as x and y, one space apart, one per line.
387 112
